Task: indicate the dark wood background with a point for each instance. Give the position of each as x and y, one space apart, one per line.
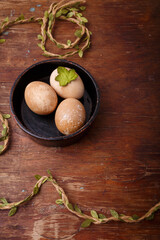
117 164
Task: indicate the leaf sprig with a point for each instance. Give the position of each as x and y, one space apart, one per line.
5 132
68 10
94 217
65 76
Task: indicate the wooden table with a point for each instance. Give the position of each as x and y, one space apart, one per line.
116 165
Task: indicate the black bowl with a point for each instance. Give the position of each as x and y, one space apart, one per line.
42 128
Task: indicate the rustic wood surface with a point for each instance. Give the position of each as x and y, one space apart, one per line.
117 164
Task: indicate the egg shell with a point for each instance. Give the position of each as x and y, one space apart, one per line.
74 89
70 116
40 97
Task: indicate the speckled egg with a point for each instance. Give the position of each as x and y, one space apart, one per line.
74 89
40 97
70 116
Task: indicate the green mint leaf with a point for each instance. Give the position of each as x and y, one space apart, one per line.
82 8
78 33
94 214
39 37
59 13
4 201
101 216
64 11
69 43
50 24
2 40
77 209
21 17
46 14
6 116
65 76
59 201
4 131
1 148
70 14
70 206
12 211
73 9
37 177
86 223
72 75
51 16
61 78
6 20
114 214
84 20
79 15
80 53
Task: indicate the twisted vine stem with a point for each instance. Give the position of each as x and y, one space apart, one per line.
94 218
5 132
67 10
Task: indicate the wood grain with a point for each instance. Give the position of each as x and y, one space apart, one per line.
116 164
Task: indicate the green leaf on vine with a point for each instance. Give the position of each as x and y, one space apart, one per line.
2 40
114 214
12 211
37 177
70 206
94 214
6 116
86 223
59 201
77 209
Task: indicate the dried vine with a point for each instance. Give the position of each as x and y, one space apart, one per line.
5 132
68 10
94 218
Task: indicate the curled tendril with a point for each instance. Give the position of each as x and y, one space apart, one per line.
67 10
94 218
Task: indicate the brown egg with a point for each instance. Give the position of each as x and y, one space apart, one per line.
70 116
74 89
40 97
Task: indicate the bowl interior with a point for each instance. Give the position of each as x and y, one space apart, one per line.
44 126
